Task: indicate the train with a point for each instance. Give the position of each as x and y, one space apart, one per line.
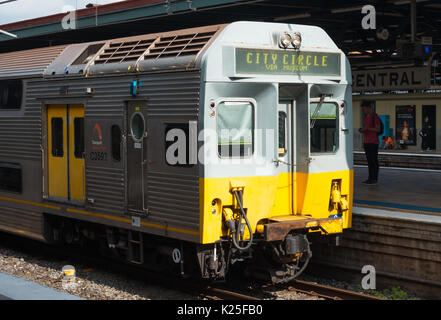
190 151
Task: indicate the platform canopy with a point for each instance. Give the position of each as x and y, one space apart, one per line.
341 19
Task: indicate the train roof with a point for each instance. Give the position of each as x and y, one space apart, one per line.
28 63
175 50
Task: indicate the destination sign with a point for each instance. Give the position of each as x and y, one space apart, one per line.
260 61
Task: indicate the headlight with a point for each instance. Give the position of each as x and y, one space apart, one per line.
296 40
285 40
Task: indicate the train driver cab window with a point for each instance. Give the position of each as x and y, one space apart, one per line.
235 128
324 127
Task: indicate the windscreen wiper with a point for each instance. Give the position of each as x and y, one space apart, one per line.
317 110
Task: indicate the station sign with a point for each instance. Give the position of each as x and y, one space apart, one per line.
391 79
261 61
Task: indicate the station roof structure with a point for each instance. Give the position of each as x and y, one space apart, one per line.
341 19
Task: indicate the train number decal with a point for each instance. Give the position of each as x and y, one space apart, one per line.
98 156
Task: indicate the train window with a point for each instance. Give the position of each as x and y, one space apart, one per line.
235 126
11 92
137 126
10 177
282 133
57 137
324 127
116 142
79 137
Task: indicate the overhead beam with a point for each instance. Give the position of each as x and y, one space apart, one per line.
293 16
8 34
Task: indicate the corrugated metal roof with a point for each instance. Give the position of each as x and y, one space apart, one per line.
28 62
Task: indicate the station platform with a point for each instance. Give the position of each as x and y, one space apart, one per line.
15 288
403 159
396 228
400 189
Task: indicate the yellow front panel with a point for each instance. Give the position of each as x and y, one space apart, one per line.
76 162
314 191
57 163
270 196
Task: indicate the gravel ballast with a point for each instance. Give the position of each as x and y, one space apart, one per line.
89 283
96 283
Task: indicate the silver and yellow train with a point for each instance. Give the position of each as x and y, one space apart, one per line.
190 150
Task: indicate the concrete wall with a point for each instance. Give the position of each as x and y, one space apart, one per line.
404 248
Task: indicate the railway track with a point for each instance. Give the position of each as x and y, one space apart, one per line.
190 286
327 292
213 293
300 286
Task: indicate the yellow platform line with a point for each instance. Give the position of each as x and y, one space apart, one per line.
396 209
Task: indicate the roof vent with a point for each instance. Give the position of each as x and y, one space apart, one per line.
179 45
88 54
118 52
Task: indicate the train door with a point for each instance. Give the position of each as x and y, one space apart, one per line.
65 152
76 152
286 152
136 156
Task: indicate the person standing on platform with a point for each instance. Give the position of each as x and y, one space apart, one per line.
426 134
371 129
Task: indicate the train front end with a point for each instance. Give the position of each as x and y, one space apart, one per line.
275 148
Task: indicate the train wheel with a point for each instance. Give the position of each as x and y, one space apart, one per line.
278 262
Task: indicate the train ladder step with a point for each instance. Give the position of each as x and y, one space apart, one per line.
136 247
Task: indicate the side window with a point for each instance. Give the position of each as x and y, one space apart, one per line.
116 142
235 129
10 177
57 137
282 134
79 137
11 92
324 127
